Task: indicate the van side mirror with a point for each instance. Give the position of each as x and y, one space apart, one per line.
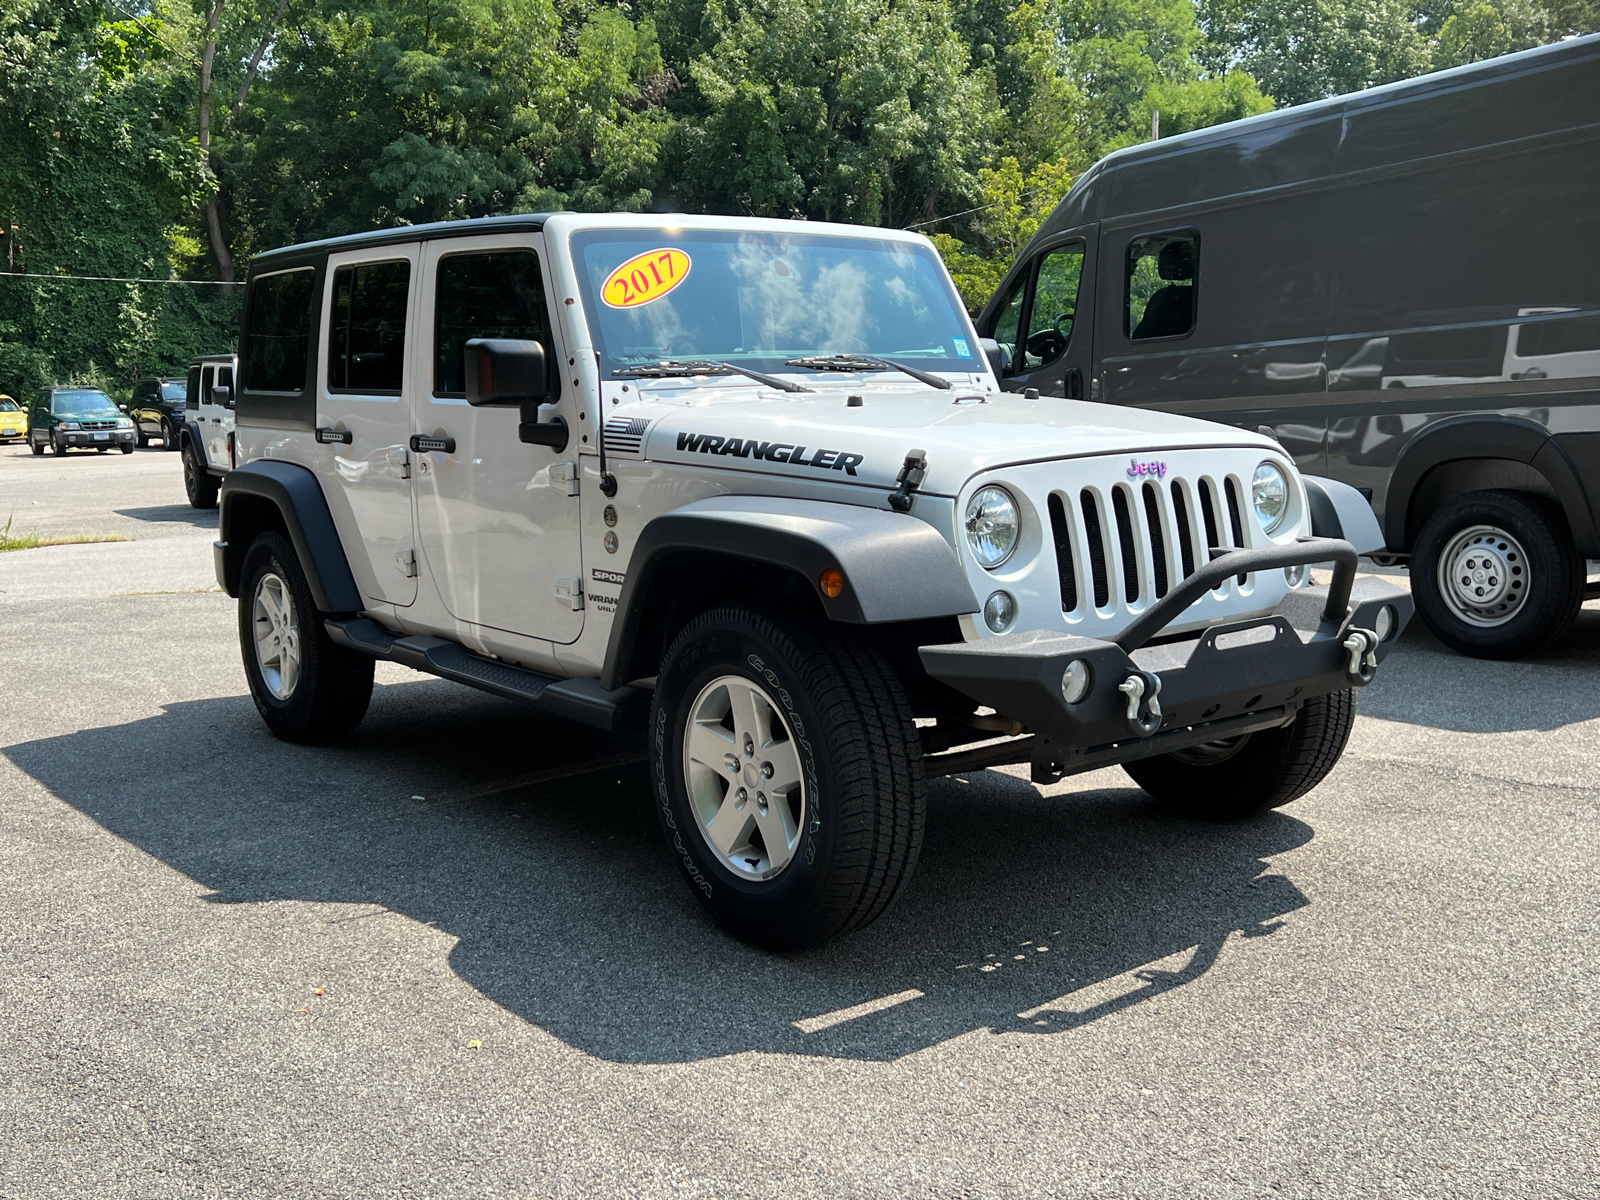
501 372
991 351
222 394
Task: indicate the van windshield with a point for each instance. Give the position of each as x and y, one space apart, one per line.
84 403
760 299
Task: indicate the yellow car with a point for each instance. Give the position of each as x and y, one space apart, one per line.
13 421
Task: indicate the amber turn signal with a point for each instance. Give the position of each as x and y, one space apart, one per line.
831 582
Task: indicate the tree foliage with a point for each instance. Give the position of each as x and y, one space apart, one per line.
967 118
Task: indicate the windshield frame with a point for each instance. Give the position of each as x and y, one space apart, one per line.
776 363
59 401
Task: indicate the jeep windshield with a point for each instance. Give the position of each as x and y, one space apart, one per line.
83 404
759 300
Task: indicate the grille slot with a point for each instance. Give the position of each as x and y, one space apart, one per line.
1130 559
1233 519
1097 548
1158 542
1208 512
1061 529
1180 514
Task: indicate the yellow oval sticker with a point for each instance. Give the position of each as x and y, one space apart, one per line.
645 277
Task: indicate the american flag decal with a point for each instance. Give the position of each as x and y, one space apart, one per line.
625 435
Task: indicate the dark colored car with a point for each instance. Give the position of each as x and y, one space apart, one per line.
68 418
157 410
1403 284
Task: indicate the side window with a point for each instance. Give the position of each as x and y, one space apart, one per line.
1055 305
280 333
496 294
367 327
205 385
1008 324
192 397
1163 271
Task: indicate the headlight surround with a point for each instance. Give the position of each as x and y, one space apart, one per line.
69 425
124 423
994 526
1269 495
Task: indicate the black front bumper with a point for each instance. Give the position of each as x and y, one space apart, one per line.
1229 679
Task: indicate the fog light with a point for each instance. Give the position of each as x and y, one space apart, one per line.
1384 626
1075 681
1297 575
999 611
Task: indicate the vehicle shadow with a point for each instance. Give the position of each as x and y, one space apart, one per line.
1426 683
534 843
172 514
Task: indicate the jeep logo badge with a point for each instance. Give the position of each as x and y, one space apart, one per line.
1137 468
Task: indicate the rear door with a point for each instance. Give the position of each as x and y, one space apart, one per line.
497 519
219 415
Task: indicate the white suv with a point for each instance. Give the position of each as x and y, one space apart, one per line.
752 485
206 439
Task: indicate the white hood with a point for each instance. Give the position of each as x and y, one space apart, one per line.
963 431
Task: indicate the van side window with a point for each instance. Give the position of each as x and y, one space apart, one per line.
367 327
280 332
1008 324
496 294
1055 305
1163 269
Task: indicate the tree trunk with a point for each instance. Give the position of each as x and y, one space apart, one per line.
221 256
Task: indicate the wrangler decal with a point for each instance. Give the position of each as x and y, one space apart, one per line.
780 452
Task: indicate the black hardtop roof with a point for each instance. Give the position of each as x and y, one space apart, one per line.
311 252
201 360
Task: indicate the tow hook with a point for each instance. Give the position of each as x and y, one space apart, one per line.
1362 646
1144 709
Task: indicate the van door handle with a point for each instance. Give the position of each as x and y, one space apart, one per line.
329 437
423 445
1072 384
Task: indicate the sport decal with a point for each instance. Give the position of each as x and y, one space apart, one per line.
645 277
783 452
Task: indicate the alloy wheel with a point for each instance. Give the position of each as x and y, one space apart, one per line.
277 633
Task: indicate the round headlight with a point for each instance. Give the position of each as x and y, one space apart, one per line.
993 526
1269 491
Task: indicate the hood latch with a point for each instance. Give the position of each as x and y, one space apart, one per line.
912 472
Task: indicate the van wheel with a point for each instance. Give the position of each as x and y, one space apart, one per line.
306 688
1495 575
1245 776
199 483
788 776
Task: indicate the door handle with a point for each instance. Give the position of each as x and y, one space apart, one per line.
329 437
1072 384
423 445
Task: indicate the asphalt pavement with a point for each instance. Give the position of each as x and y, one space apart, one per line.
451 957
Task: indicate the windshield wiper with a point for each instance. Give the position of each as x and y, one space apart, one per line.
865 362
707 366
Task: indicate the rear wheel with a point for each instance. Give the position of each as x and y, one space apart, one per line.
199 483
1243 776
306 687
1495 574
139 436
787 776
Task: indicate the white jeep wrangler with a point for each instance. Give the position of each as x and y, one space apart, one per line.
752 486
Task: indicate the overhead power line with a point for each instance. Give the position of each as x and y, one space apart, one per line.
116 279
182 53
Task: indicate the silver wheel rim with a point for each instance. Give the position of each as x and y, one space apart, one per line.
741 768
1483 576
277 630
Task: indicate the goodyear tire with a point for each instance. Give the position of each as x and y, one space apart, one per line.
787 775
1245 776
305 686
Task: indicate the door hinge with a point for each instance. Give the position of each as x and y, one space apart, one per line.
570 592
399 463
405 561
567 473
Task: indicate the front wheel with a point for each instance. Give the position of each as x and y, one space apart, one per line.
37 448
787 775
59 447
1244 776
1495 575
198 483
126 447
169 435
307 688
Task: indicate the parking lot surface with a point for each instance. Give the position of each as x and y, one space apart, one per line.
451 958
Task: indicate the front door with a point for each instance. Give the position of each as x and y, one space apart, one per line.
1045 321
362 426
497 520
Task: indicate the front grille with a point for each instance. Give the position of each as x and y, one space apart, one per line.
625 435
99 424
1140 539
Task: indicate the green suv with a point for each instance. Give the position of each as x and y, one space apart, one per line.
78 419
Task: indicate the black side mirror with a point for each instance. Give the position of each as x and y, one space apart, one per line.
991 351
501 372
222 394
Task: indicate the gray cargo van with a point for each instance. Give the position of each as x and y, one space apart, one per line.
1403 284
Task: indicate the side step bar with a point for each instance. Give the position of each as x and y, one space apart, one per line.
583 700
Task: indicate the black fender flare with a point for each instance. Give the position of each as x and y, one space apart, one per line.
895 567
294 491
191 434
1510 439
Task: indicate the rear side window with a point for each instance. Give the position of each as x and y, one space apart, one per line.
1569 335
493 295
280 332
1163 273
191 398
367 327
